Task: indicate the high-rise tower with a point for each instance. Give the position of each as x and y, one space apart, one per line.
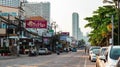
75 25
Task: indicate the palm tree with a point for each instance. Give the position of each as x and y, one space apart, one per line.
99 23
111 2
116 3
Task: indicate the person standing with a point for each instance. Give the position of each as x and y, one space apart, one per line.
85 49
57 48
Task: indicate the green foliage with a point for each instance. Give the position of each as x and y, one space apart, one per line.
98 23
81 42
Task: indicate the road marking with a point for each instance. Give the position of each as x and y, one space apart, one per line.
85 62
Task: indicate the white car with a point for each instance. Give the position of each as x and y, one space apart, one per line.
43 51
93 47
93 54
112 55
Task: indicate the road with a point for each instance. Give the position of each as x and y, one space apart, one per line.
71 59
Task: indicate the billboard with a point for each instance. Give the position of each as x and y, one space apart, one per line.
36 23
64 36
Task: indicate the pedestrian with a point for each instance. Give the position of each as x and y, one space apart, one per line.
58 52
57 48
85 49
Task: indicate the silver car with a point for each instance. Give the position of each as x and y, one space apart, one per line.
43 51
93 54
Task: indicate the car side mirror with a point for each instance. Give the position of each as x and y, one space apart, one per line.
102 58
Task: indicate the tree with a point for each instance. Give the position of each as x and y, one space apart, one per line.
81 42
116 4
99 23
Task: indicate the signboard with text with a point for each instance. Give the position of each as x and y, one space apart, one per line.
36 24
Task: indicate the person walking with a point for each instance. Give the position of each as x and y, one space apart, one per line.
57 48
85 49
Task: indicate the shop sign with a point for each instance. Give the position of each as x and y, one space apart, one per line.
36 24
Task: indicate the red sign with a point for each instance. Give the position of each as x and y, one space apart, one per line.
36 24
65 33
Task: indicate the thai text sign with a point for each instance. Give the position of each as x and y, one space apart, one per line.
36 24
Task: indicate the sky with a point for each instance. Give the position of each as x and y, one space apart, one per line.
61 12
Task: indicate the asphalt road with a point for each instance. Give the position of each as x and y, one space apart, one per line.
71 59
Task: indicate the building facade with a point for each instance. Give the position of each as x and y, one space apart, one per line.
12 3
75 25
38 9
12 33
80 34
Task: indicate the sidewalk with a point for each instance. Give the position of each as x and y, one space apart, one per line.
11 57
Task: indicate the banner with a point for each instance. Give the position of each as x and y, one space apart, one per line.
36 23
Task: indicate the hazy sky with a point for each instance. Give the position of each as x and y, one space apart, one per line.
61 12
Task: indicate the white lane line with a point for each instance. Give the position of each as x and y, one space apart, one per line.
85 62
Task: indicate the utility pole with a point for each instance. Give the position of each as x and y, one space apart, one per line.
118 22
112 20
19 27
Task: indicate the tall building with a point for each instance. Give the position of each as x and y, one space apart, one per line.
38 9
75 25
12 3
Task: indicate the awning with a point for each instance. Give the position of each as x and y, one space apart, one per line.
17 37
13 37
23 37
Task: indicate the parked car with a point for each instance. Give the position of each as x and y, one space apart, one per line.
112 55
43 51
32 52
93 54
101 57
118 63
74 49
93 47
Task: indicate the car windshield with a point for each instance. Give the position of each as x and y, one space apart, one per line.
115 53
94 48
95 51
103 51
42 49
